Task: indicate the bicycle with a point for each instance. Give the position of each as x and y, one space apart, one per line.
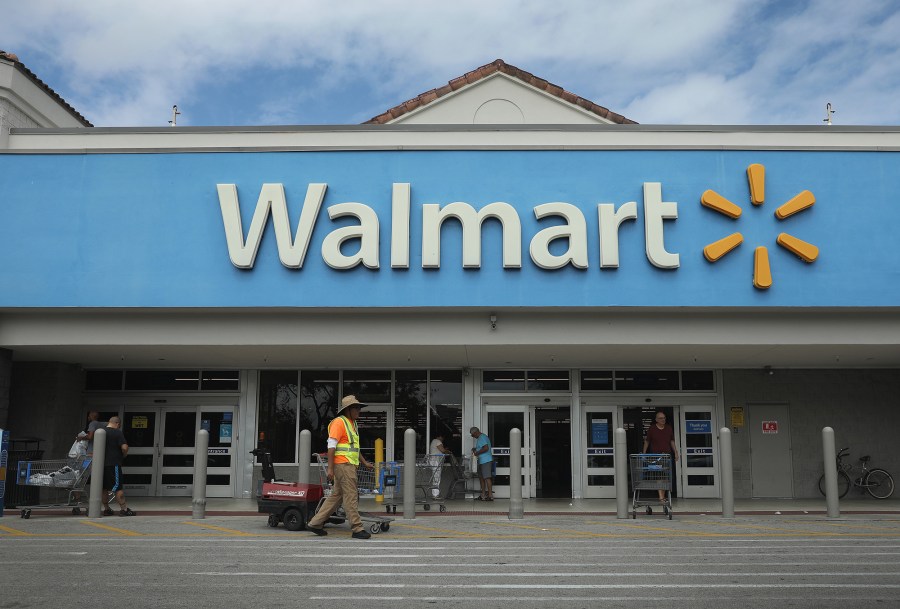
876 481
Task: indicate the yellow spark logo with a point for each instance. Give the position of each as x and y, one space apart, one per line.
762 272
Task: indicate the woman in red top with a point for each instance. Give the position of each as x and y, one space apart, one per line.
661 440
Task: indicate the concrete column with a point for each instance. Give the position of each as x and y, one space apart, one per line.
201 452
828 459
620 455
727 473
305 456
516 507
5 382
409 474
98 461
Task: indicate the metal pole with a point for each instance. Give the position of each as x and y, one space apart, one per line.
409 474
620 456
831 488
98 461
198 503
727 473
379 459
516 507
305 455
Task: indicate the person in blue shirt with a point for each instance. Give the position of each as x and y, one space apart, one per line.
482 452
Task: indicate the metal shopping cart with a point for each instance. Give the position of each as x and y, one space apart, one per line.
428 489
651 472
366 484
460 474
61 483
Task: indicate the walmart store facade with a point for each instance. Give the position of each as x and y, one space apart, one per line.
566 280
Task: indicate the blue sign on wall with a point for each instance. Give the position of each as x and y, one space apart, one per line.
698 427
146 230
599 432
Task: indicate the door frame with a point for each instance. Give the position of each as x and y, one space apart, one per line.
786 465
589 406
680 404
162 451
121 402
388 409
687 453
528 462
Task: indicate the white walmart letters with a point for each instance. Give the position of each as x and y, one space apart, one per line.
292 250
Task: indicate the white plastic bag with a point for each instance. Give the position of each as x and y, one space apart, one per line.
79 449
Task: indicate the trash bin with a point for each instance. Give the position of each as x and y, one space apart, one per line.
21 449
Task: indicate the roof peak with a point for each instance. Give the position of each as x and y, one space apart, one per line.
17 63
494 67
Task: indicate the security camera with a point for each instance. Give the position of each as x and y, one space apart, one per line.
493 322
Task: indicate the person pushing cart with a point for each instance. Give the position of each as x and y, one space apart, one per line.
344 458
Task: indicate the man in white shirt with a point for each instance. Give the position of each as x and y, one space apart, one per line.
436 454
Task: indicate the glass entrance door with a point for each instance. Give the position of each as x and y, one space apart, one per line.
220 456
176 452
599 466
375 421
500 420
141 429
161 448
700 459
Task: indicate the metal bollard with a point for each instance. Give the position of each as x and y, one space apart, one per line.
620 456
831 488
198 502
379 459
98 461
305 455
409 474
516 507
727 473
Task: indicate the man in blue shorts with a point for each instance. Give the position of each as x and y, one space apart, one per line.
482 452
113 481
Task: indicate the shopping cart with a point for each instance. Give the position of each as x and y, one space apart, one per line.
61 483
651 472
428 482
366 484
460 472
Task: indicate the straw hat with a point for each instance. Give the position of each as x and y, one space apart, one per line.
349 401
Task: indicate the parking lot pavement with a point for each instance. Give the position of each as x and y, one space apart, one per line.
540 561
473 526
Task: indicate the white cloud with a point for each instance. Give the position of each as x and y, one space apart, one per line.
656 61
699 99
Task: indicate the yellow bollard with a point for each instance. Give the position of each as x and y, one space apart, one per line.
379 459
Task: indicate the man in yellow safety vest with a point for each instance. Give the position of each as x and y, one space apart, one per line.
343 459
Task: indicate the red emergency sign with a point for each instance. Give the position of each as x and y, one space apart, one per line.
770 426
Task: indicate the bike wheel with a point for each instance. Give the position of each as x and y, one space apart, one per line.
879 484
843 481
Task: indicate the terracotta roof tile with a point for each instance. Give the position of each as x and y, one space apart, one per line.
40 83
484 71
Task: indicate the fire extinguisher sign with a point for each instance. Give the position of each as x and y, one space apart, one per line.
770 426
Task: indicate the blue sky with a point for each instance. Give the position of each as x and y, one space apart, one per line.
272 62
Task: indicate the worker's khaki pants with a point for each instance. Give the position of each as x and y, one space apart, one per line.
344 491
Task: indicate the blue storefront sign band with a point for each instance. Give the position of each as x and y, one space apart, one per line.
74 203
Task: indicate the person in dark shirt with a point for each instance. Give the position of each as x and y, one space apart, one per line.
113 481
661 440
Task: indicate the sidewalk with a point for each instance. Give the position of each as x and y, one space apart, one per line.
178 506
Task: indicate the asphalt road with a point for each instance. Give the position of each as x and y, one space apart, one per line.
559 561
